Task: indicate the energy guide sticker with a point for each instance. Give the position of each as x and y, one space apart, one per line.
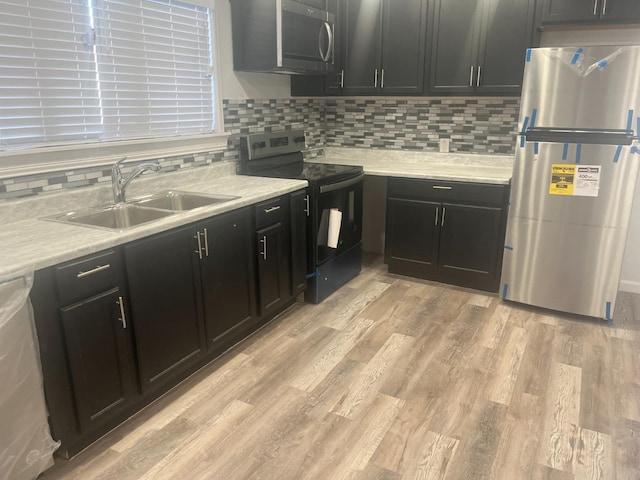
575 180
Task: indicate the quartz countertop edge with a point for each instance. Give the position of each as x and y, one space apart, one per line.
462 167
33 244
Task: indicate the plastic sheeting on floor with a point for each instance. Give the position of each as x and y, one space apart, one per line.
26 446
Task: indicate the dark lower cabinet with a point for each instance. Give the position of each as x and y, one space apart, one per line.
412 235
470 242
165 302
86 350
299 204
121 327
101 368
447 231
226 271
272 269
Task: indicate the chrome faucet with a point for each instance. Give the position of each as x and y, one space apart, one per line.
120 183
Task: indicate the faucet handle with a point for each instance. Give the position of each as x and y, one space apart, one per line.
120 161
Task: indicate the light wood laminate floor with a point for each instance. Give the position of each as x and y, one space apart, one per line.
394 378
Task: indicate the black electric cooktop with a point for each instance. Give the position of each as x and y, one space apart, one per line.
314 173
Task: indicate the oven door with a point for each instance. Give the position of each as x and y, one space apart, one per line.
337 219
306 38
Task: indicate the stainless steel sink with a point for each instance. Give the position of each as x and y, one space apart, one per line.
174 200
114 217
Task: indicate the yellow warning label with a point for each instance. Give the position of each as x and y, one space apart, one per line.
562 179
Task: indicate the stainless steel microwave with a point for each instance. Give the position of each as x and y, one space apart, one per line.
282 36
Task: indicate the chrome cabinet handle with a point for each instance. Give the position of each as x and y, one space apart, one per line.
442 187
375 78
471 77
341 78
382 79
604 8
272 209
444 212
478 76
306 205
199 250
123 317
100 268
206 243
437 211
595 7
264 247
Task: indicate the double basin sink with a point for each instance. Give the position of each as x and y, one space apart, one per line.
123 216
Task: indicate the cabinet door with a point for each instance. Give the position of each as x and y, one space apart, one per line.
273 279
165 304
226 269
627 11
411 246
97 346
507 32
333 80
362 47
470 239
571 11
403 44
454 46
299 209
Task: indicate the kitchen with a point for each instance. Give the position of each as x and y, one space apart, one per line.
460 427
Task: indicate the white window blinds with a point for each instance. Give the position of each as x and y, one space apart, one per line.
48 84
154 61
95 70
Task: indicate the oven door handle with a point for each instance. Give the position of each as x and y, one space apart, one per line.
337 186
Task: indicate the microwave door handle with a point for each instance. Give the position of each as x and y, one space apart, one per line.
325 55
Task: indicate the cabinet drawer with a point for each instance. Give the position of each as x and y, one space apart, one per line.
269 212
445 191
88 276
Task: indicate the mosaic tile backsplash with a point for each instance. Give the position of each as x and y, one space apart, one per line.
472 124
479 125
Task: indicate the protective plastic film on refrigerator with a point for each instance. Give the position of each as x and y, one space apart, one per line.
573 184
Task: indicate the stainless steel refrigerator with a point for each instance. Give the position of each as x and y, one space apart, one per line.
577 158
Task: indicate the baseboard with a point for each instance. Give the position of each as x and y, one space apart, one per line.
629 286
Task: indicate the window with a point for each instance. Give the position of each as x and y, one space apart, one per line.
95 71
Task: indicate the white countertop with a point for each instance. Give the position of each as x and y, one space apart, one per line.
496 169
28 243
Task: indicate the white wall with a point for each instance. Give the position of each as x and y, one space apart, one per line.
630 277
242 85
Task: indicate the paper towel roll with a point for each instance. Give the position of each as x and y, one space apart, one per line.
335 220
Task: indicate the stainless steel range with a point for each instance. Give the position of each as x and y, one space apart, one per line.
334 206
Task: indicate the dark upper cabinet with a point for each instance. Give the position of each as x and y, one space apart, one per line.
101 369
384 44
480 46
403 46
362 44
165 304
508 29
454 48
226 271
594 11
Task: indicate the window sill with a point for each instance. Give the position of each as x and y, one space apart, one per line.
71 157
